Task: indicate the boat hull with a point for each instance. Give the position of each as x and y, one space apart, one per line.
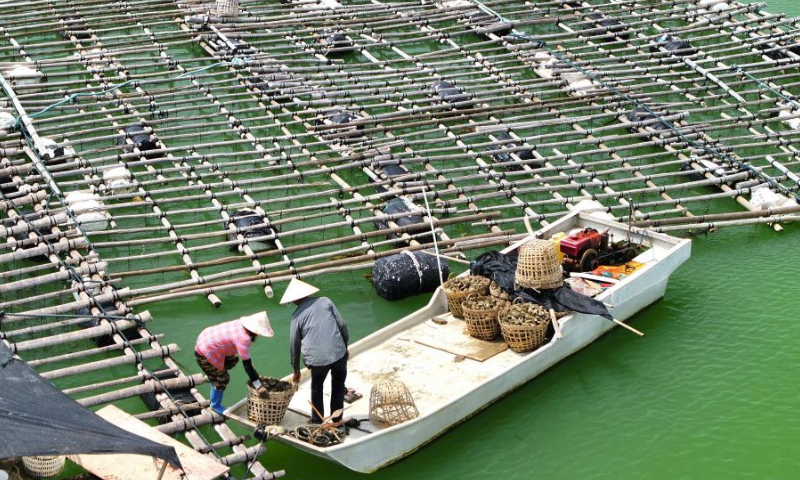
383 447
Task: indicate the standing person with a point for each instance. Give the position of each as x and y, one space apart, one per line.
320 335
219 348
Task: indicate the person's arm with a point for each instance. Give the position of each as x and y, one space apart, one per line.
243 349
251 372
295 340
340 323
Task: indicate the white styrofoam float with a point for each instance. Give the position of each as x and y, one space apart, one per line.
88 210
118 180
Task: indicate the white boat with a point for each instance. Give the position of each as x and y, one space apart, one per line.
448 389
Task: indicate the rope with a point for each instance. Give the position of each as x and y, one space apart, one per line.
416 265
71 99
435 244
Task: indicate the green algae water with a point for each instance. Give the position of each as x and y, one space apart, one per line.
711 391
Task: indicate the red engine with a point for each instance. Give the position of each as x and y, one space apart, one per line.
575 244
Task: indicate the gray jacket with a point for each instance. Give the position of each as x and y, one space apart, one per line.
318 332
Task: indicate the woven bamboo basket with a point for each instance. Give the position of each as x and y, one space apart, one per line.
44 467
538 266
270 410
482 323
522 338
455 296
391 403
497 292
226 8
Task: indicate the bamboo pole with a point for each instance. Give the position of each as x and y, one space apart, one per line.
179 383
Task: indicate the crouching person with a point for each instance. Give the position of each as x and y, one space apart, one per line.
220 347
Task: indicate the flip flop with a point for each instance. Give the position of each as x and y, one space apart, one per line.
351 395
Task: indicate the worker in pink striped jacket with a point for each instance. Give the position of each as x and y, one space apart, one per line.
219 348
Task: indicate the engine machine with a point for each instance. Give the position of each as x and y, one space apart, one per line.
586 250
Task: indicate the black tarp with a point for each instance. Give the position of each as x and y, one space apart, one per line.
501 268
36 418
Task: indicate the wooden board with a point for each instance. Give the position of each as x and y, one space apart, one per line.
452 337
140 467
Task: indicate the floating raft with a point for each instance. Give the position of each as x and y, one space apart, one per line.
152 151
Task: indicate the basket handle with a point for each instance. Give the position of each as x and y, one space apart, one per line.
514 302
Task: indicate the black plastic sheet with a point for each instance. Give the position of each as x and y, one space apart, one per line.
36 419
501 269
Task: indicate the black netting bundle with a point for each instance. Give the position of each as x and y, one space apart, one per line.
74 26
449 93
505 157
182 397
279 86
92 321
341 117
234 46
502 268
483 24
615 28
140 138
674 45
772 51
7 186
392 170
641 114
400 205
245 218
406 274
337 44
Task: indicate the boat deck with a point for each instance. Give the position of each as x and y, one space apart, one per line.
438 363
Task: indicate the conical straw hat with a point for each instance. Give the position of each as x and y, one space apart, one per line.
258 323
297 290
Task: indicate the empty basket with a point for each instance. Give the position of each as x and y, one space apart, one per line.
44 467
226 7
538 266
391 403
270 410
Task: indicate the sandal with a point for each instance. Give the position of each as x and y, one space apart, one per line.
351 395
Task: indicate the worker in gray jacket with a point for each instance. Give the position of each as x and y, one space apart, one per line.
320 335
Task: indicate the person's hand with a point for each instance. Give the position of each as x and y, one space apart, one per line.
296 377
262 392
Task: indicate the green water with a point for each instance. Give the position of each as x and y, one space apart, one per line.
711 391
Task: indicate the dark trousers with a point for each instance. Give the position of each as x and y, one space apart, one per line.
338 370
218 378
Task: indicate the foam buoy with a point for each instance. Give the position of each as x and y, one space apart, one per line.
88 210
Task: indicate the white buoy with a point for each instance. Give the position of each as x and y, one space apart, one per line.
7 120
118 180
53 149
763 198
88 210
23 76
